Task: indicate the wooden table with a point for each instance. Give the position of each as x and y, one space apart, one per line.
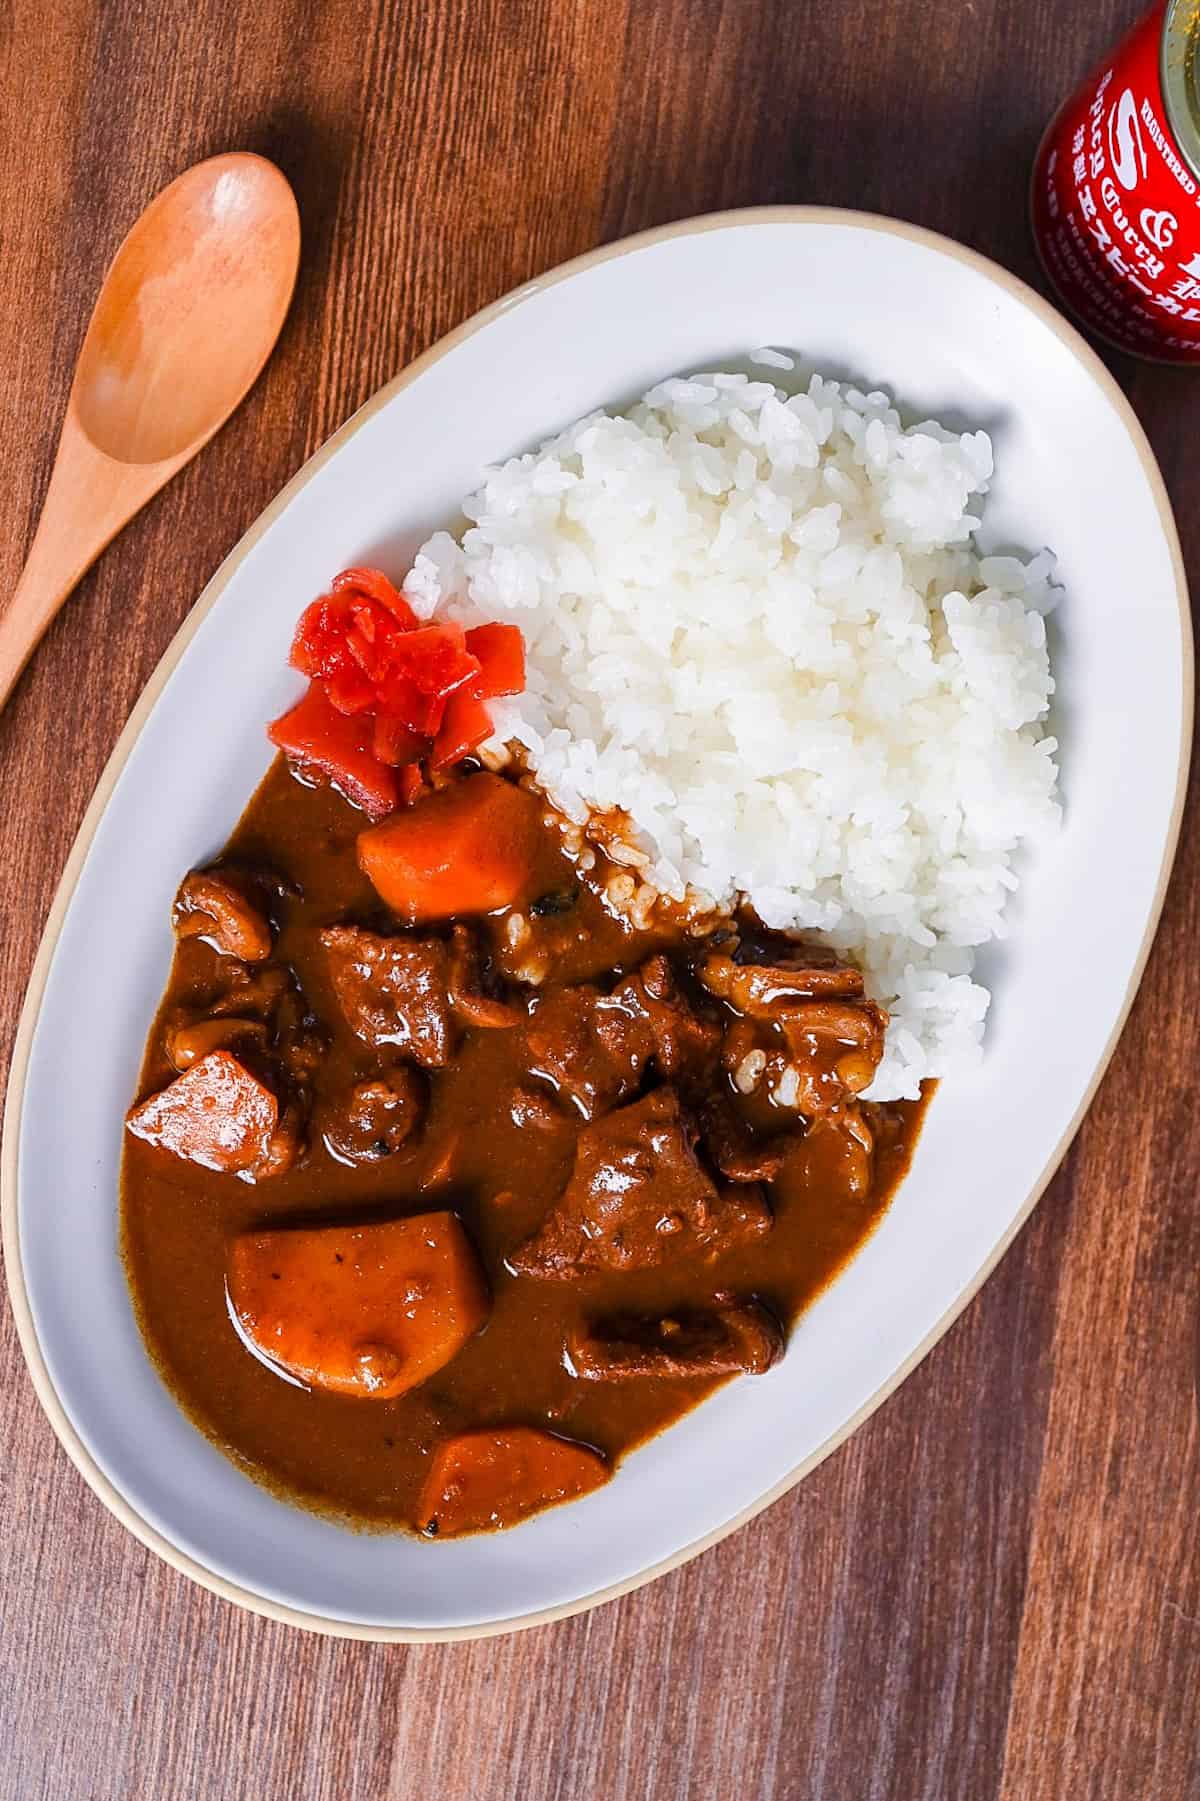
994 1588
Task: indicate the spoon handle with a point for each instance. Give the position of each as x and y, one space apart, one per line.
90 497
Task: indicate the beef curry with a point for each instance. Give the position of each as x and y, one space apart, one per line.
448 1184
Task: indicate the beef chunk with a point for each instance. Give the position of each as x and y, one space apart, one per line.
393 991
375 1118
767 984
534 1107
806 1033
188 1038
219 1115
638 1198
209 906
734 1149
259 1012
257 993
592 1049
731 1338
836 1047
473 991
680 1038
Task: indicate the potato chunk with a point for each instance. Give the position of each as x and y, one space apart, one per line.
480 1481
220 1116
369 1311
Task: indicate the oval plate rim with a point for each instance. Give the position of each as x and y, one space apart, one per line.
66 1433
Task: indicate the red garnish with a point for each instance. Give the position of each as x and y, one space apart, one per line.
389 692
316 736
319 647
421 713
349 690
501 653
412 784
393 743
435 659
376 586
465 723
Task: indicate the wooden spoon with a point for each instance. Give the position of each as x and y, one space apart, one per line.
187 316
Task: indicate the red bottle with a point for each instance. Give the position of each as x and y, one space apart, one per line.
1115 201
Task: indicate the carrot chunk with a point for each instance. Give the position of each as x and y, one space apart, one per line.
480 1481
217 1115
369 1311
469 848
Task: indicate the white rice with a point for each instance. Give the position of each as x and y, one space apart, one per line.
756 620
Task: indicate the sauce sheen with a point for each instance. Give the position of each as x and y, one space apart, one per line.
496 1147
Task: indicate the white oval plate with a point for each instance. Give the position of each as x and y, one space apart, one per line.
950 335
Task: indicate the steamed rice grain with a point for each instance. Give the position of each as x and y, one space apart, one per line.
756 621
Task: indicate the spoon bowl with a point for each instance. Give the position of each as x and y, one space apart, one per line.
189 310
188 313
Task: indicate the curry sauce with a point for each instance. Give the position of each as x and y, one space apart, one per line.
500 1143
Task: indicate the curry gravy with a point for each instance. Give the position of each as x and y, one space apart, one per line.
365 1460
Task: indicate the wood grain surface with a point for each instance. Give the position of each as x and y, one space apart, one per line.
994 1589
